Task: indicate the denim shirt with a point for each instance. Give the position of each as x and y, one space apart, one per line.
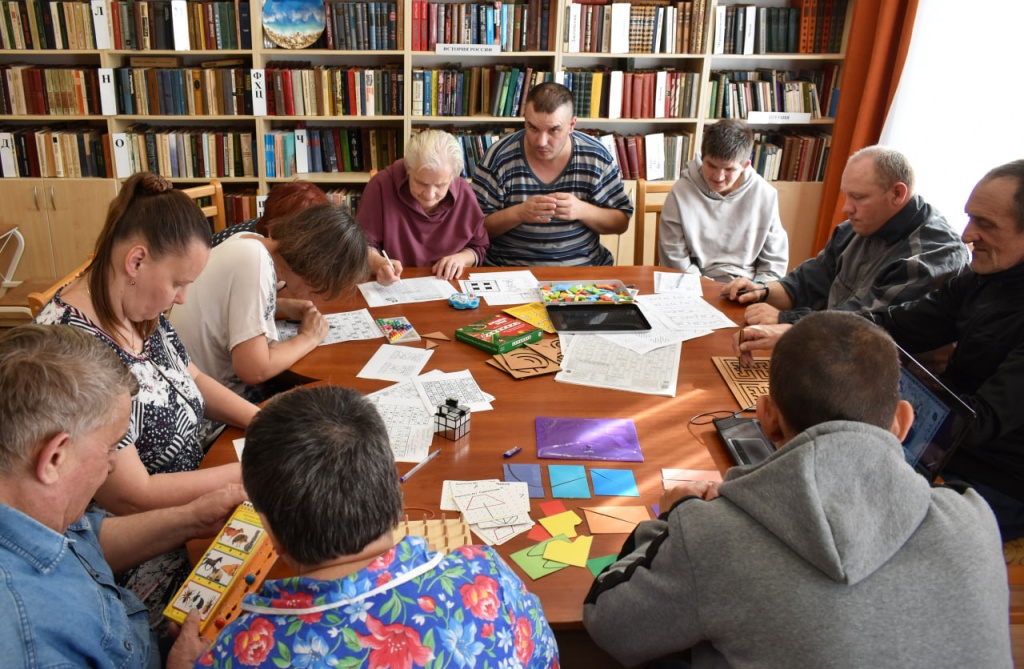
59 606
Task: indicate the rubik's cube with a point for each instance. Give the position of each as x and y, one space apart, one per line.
452 420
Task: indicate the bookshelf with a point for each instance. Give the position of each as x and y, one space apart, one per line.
237 129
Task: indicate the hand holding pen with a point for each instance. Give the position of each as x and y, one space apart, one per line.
388 271
738 288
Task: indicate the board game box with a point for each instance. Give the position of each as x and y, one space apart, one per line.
498 334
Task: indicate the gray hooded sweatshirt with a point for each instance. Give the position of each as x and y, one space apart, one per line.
831 553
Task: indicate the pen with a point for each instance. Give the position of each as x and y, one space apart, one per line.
415 469
385 254
744 291
512 451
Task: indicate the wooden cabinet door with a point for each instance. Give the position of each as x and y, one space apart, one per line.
23 205
77 209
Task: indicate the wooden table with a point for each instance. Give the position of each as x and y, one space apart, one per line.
661 422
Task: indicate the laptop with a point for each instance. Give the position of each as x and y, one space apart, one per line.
941 420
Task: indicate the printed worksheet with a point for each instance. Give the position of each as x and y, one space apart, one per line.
435 389
591 360
423 289
410 427
685 284
395 363
500 288
492 503
345 326
680 312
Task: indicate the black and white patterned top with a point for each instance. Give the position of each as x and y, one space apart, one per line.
168 409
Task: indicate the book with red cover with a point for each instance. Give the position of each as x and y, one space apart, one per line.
620 150
288 92
647 107
641 157
627 95
632 157
638 96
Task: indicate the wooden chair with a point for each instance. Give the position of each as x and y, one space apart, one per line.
648 205
215 210
38 299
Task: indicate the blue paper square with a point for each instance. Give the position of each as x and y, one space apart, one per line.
569 481
528 474
615 482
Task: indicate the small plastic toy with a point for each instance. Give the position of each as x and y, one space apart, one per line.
608 291
464 301
452 420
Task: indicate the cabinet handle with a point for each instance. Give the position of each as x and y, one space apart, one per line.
53 201
35 196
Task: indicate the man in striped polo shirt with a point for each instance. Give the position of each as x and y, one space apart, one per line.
548 192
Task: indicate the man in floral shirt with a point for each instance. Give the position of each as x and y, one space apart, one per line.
319 470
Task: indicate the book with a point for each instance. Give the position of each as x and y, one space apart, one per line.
498 334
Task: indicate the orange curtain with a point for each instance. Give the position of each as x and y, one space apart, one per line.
877 47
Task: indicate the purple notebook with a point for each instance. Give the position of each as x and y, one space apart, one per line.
588 439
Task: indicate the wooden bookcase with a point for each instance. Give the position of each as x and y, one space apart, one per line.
59 244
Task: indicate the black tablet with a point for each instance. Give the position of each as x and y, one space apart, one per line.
597 318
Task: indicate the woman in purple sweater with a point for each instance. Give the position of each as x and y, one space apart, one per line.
420 212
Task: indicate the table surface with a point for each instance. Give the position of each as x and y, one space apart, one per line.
661 422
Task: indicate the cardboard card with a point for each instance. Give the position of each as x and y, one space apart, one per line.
532 561
552 508
437 335
614 519
597 564
517 374
569 481
569 552
562 523
529 474
526 358
549 348
429 344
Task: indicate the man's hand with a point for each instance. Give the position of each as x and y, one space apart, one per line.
386 272
450 267
568 207
761 314
706 490
539 209
189 644
756 338
209 512
742 290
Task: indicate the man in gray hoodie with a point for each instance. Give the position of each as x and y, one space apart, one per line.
832 552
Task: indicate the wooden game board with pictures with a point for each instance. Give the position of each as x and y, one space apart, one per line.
235 564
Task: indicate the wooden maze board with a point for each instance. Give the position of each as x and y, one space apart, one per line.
746 383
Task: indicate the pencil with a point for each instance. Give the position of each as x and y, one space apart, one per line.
385 254
415 469
742 292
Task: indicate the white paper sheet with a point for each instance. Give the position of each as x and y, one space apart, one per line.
501 288
395 363
594 361
680 312
686 283
435 389
423 289
345 326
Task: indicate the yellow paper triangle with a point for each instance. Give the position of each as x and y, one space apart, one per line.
575 553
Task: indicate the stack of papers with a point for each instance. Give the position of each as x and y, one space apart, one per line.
498 288
495 510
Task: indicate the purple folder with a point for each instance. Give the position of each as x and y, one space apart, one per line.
588 439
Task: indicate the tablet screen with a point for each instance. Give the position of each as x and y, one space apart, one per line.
594 318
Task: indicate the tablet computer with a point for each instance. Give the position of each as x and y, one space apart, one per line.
598 318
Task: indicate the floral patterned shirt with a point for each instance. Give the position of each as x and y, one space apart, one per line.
408 608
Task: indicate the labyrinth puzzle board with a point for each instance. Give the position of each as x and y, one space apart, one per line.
746 383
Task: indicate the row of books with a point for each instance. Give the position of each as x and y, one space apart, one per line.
822 23
639 94
656 156
602 27
499 90
55 91
810 26
46 24
244 204
334 91
735 93
362 26
184 91
330 149
54 152
520 25
151 24
791 156
186 153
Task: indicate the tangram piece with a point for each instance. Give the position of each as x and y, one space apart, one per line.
614 519
533 313
429 344
531 560
746 383
562 523
597 564
574 553
569 481
442 534
614 482
452 420
437 335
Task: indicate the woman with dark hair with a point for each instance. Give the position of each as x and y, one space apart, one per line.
231 332
154 244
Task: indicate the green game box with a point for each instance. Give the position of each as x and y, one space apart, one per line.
498 334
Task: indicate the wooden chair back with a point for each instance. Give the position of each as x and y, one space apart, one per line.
646 204
38 299
215 210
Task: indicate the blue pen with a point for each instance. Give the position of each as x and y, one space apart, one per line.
512 451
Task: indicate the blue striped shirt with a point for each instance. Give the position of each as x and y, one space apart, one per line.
504 179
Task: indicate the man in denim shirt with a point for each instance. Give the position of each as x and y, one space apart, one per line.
64 405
